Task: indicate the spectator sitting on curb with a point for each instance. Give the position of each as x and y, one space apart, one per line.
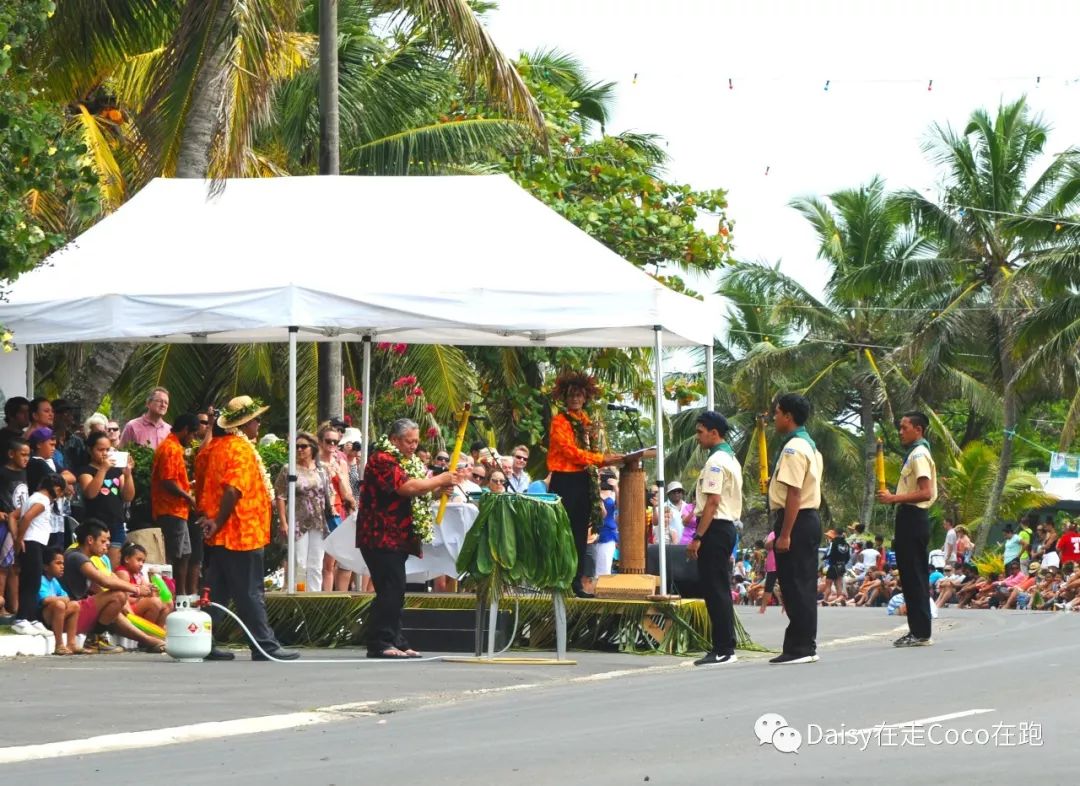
147 604
106 605
61 613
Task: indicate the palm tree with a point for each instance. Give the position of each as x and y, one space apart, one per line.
850 332
967 482
200 80
996 249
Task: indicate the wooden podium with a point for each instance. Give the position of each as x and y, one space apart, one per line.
632 512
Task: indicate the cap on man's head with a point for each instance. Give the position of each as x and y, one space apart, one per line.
674 486
830 534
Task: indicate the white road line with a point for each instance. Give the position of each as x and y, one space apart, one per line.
924 721
195 732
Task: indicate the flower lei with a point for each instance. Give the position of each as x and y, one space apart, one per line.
423 522
235 414
582 437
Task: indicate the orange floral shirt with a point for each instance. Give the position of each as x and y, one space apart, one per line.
202 459
232 462
564 455
169 465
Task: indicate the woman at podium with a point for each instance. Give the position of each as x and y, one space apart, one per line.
574 461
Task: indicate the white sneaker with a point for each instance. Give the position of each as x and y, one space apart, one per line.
24 628
41 629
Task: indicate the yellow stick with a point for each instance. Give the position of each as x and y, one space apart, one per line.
879 465
763 455
454 458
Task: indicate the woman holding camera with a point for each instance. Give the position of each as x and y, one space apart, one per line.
106 487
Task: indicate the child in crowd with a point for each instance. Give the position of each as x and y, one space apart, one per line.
13 494
31 540
61 613
146 603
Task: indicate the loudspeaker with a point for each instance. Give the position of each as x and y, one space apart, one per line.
682 572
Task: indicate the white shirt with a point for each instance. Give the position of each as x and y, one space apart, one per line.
869 557
41 524
950 546
518 484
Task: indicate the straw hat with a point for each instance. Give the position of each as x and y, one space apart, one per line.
240 410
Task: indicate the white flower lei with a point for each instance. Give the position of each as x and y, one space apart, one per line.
423 522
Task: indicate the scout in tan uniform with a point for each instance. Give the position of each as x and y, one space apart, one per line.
717 504
915 493
794 498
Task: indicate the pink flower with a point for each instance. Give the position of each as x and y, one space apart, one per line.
432 432
410 400
400 349
401 382
348 420
430 408
418 391
383 346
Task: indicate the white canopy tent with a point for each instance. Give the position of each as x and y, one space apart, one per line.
438 260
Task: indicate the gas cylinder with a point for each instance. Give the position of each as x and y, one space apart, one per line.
188 631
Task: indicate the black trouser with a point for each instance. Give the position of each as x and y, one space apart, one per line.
912 560
30 569
237 576
714 574
387 569
796 570
573 488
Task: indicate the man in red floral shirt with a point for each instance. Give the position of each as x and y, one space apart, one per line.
385 534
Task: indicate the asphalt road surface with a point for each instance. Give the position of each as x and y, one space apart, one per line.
994 699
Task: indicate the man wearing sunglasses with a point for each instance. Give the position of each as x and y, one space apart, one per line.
518 480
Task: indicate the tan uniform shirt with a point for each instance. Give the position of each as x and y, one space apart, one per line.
721 475
919 464
800 466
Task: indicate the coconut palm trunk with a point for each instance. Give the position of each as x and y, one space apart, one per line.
101 368
1009 404
330 355
866 416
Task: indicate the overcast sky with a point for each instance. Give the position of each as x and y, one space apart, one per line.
878 57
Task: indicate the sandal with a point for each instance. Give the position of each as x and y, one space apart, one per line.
391 653
154 649
62 650
77 651
413 654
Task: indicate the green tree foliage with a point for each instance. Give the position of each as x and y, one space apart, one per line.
45 183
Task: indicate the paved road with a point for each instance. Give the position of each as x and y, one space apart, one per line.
661 721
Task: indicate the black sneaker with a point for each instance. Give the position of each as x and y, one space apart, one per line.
716 659
787 659
279 654
913 641
217 653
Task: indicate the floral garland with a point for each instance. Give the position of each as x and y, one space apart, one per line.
423 522
584 441
235 414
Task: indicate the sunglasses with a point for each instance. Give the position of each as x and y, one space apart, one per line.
204 422
478 477
500 481
332 442
114 428
521 458
304 446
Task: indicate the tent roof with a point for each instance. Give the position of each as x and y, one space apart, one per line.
449 260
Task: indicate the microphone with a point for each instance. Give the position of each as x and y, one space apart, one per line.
621 408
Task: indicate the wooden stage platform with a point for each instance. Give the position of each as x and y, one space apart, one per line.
678 627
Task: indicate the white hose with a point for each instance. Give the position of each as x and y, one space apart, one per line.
370 661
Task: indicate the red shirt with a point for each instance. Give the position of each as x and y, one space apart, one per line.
1068 547
384 517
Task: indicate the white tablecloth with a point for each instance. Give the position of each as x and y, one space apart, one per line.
440 556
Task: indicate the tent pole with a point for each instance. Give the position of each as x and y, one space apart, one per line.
366 405
658 349
290 566
710 381
30 381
